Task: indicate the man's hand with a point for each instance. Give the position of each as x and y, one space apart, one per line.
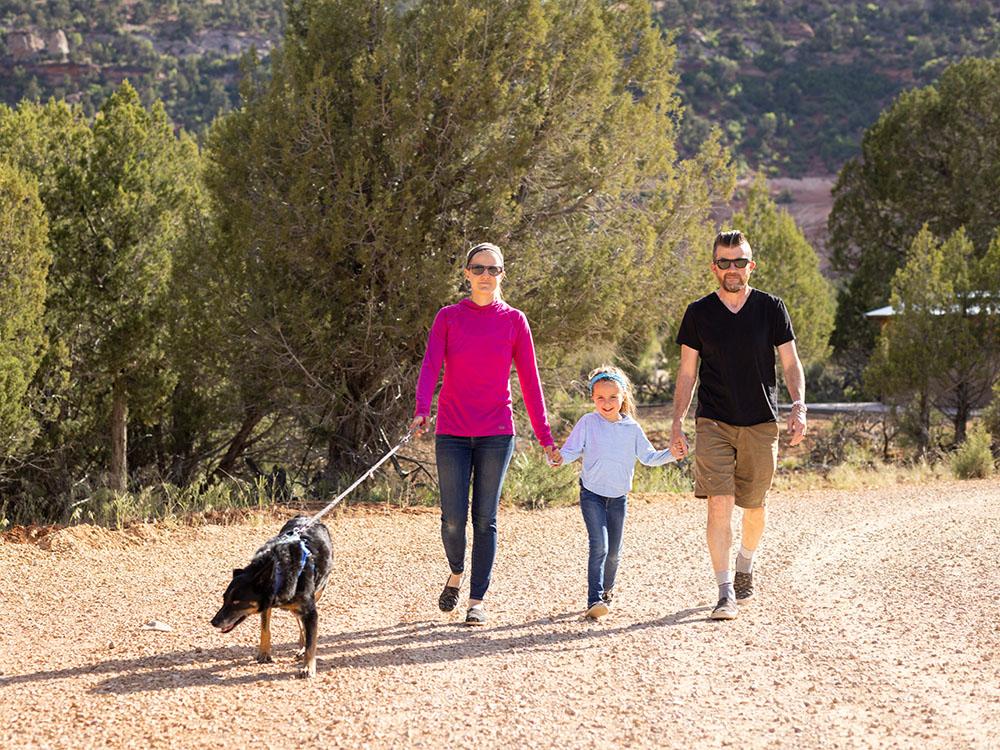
418 426
797 423
552 455
678 442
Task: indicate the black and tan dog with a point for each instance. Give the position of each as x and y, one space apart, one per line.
289 572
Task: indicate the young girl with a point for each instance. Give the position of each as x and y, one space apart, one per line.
609 440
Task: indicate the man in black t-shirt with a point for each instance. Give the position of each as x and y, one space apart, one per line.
734 332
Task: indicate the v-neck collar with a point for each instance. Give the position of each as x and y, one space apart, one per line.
727 308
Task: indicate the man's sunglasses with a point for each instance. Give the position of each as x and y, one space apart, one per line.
477 270
724 263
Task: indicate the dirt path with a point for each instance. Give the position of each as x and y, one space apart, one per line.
877 625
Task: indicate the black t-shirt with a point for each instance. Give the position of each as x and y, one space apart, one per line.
737 381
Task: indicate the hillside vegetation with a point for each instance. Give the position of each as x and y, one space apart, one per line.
794 83
184 53
791 83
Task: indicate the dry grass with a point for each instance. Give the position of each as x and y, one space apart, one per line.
848 476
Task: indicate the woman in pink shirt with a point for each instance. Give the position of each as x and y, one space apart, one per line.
476 340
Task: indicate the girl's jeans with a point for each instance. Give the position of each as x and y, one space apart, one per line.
605 519
481 462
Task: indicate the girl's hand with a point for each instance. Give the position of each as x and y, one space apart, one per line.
418 426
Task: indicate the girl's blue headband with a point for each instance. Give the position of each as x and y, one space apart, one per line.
608 376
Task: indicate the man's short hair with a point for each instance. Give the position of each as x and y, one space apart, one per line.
731 238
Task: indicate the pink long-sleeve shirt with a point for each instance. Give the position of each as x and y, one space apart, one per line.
477 345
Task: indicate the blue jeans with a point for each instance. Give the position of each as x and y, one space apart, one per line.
482 463
605 519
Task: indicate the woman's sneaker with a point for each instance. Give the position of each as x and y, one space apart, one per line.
448 599
743 586
597 610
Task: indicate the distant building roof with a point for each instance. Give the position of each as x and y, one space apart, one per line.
888 311
881 312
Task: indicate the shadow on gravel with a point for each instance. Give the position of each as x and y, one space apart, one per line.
163 671
430 643
422 642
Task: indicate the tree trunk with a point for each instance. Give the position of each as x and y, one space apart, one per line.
118 480
962 409
237 445
349 448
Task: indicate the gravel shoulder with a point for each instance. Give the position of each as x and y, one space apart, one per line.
877 625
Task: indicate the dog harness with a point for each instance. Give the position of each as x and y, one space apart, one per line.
304 555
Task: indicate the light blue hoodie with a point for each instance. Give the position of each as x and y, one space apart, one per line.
609 451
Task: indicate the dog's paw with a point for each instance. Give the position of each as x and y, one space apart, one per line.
264 658
308 671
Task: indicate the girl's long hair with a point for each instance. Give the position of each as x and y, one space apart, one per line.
489 247
628 398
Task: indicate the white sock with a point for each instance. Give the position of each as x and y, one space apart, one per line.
744 560
725 580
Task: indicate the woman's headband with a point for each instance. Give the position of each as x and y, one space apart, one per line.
608 376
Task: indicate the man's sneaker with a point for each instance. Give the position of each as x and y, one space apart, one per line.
597 610
726 609
607 596
743 585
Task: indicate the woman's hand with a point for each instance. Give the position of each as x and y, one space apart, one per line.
418 426
552 455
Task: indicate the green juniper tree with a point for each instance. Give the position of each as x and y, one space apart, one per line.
932 158
24 264
130 207
392 136
941 348
50 143
899 370
788 267
115 192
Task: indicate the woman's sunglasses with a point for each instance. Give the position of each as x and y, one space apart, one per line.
477 270
724 263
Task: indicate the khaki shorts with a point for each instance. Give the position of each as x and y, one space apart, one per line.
738 461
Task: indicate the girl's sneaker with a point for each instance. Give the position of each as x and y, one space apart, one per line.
597 610
476 615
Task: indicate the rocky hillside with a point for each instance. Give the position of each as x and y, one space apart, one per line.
185 53
792 83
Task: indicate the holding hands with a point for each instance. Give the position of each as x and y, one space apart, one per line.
552 455
678 442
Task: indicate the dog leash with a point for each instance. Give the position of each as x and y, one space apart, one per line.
392 452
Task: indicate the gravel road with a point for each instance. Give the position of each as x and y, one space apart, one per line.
877 624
